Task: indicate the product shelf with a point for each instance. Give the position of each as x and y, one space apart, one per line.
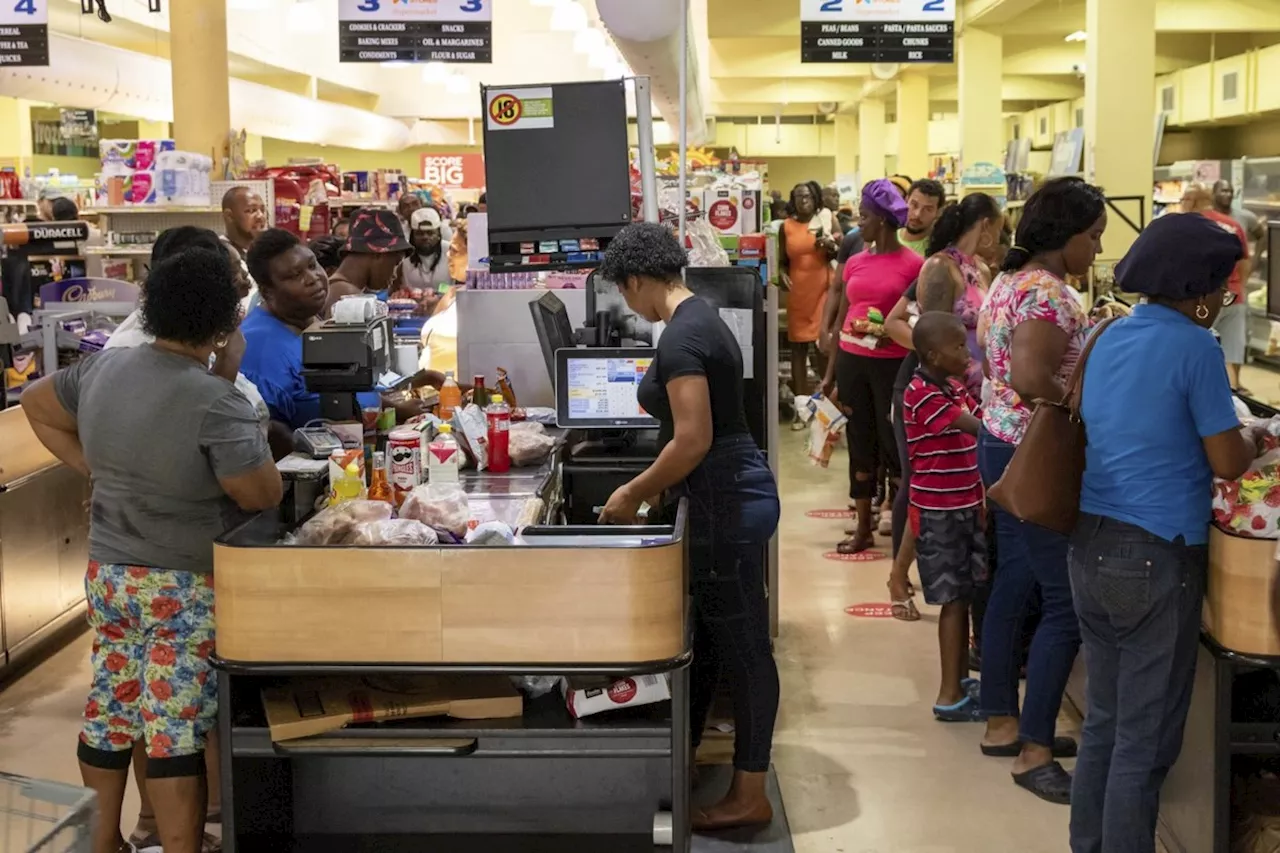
155 209
119 251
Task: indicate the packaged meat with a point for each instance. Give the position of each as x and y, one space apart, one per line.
529 446
394 531
332 525
443 506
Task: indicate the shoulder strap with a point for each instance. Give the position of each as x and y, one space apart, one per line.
1075 385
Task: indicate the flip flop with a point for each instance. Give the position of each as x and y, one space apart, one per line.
1050 782
907 606
967 710
1063 747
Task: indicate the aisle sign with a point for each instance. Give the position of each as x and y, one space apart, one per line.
454 171
413 30
24 32
877 30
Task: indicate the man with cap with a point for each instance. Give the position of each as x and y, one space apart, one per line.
426 270
1162 425
371 258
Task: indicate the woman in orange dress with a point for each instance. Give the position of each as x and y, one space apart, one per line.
805 250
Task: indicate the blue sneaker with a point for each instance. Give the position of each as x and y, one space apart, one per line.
967 710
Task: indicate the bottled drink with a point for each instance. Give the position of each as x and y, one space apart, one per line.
350 485
479 394
443 457
498 414
379 486
450 397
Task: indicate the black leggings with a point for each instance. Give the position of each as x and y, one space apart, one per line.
866 388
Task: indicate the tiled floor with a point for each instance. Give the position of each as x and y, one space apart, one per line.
863 766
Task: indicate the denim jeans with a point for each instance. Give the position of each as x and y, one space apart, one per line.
733 513
1138 597
1029 555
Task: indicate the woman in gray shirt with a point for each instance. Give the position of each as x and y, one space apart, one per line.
177 455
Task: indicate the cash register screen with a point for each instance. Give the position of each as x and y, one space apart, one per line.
596 388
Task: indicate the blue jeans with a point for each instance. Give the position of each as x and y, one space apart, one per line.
733 513
1138 597
1029 555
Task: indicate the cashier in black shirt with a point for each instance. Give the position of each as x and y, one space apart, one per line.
694 387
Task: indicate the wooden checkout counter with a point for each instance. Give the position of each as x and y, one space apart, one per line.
44 532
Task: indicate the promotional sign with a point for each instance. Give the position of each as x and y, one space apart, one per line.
414 30
454 171
520 109
877 30
24 32
88 290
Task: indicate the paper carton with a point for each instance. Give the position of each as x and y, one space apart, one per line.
313 707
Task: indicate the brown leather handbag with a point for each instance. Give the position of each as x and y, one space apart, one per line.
1042 483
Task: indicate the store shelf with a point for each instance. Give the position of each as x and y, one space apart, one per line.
156 209
119 251
366 202
18 202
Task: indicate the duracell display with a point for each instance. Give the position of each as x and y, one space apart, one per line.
864 41
383 31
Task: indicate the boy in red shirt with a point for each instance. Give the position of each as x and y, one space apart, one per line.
946 500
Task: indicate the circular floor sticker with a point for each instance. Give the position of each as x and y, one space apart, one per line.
871 611
860 557
830 513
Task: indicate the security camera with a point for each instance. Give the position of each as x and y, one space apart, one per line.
1078 69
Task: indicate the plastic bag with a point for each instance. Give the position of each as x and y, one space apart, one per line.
471 429
529 447
332 525
535 686
491 533
1250 506
442 505
395 531
826 424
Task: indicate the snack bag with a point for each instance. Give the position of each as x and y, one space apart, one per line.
1250 506
826 424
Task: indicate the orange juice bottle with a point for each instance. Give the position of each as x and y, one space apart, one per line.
450 397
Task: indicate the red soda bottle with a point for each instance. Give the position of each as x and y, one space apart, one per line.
498 414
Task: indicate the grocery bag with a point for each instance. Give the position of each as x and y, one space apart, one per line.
1250 506
826 425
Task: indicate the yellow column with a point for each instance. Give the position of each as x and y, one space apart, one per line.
16 148
913 125
252 147
153 129
1120 108
871 147
846 148
201 101
981 98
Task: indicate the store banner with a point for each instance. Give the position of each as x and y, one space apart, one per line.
454 171
414 30
24 32
877 31
520 109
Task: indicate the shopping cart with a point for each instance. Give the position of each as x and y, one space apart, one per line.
44 817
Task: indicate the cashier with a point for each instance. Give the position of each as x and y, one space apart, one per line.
695 389
294 291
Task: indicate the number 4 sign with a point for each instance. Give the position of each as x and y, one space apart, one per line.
24 12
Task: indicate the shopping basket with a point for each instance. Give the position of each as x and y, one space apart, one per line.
44 817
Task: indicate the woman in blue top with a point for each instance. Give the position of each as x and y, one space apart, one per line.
1161 424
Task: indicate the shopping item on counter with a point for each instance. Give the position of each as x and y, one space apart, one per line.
491 533
535 686
338 463
531 513
312 707
395 531
826 425
529 444
471 429
332 525
1250 506
440 506
623 693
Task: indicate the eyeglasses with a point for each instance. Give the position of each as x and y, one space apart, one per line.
1228 299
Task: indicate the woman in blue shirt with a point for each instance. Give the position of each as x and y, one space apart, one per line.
1161 424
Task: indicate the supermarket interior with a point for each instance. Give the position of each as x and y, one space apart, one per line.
466 425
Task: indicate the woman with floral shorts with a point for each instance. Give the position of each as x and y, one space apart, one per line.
177 455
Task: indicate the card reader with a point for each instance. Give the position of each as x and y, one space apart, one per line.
317 442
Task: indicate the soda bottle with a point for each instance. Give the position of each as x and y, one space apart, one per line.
498 414
379 486
443 457
450 397
479 395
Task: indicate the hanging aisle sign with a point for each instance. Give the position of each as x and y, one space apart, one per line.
413 30
24 32
877 30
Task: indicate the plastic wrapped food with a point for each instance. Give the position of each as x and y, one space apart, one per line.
529 447
471 428
439 505
394 531
1250 506
491 533
332 525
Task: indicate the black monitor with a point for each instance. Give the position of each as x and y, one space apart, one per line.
624 327
555 332
596 388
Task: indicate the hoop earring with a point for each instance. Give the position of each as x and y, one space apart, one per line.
221 343
1202 312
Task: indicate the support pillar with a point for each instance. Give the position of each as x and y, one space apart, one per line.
846 149
201 89
981 56
16 146
154 129
1120 109
913 125
871 147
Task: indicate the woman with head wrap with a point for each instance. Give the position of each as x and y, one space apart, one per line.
867 360
805 251
1161 425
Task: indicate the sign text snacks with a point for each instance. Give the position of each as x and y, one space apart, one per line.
414 30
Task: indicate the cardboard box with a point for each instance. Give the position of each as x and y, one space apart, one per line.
313 707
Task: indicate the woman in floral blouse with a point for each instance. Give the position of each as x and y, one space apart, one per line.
1038 329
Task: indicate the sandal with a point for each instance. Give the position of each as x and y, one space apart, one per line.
967 710
1063 747
904 610
1049 782
855 545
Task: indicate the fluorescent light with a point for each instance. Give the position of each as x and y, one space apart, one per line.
435 72
1078 35
588 40
601 57
569 17
457 85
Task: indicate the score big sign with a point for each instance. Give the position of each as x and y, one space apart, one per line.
454 171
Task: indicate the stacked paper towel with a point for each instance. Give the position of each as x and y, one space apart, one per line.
152 171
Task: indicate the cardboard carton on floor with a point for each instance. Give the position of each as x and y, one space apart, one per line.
313 707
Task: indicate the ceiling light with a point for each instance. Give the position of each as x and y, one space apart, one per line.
585 41
569 17
457 85
1078 35
601 57
435 72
